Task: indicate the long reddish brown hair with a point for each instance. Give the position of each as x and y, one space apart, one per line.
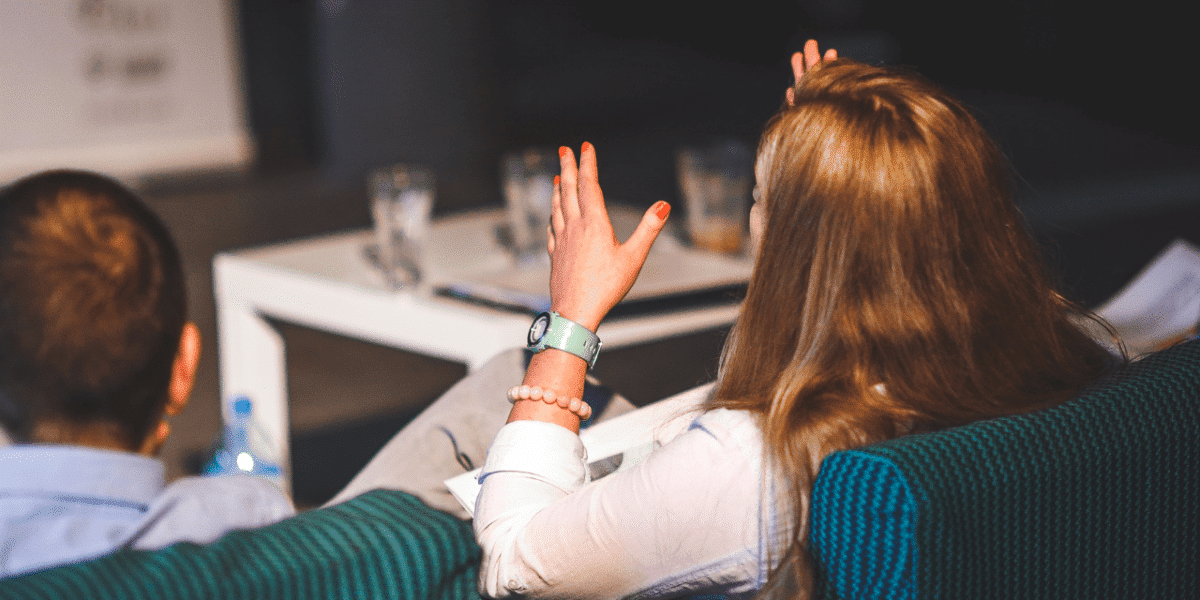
892 254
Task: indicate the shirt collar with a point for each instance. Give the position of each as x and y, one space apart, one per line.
80 471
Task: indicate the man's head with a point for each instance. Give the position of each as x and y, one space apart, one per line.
93 324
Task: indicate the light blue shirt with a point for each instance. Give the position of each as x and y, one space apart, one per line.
62 504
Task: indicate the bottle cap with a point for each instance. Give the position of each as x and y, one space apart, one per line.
241 406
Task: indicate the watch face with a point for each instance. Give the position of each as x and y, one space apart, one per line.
538 329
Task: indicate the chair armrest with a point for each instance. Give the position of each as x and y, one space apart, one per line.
383 544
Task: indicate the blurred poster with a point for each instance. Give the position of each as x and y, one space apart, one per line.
126 87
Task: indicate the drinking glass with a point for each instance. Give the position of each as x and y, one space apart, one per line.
401 204
715 180
528 178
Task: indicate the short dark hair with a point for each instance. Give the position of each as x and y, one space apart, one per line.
92 306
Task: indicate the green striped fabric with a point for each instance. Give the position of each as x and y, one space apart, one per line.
382 544
1096 498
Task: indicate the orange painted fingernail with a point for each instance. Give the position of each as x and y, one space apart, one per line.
586 146
556 179
663 209
562 151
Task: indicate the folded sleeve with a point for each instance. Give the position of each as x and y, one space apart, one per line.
542 451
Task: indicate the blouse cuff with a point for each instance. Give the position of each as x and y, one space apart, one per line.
549 452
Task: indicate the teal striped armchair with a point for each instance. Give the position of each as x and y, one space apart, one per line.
381 545
1096 498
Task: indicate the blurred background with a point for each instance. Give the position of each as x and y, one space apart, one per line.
1093 107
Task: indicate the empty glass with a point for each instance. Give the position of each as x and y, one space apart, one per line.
528 179
401 204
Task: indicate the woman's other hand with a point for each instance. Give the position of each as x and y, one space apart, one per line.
802 62
590 270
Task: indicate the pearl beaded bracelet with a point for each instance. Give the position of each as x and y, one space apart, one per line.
575 405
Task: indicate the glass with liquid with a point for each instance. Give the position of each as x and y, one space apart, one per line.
715 181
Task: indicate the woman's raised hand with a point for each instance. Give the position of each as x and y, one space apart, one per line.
590 270
803 62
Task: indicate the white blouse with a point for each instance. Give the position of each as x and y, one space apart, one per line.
691 518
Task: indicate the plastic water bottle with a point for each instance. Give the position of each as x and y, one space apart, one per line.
244 448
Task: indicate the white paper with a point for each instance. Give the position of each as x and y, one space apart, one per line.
1161 304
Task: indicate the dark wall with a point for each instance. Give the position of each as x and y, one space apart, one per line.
342 85
1126 64
401 81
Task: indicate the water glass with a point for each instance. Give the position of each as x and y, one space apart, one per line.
401 204
528 179
715 181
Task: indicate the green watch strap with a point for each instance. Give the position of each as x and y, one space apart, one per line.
552 330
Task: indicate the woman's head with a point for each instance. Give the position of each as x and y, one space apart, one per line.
890 238
891 253
882 192
869 151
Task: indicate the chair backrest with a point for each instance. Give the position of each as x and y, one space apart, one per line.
1096 498
382 544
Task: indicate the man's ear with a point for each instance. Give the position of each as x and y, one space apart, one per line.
183 373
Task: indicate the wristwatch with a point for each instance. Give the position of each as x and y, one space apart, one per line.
552 330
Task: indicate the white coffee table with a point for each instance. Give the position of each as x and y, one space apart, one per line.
326 283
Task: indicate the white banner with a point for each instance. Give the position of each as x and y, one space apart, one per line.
126 87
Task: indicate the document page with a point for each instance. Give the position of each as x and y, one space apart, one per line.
1162 304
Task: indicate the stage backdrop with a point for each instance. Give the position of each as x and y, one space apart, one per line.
127 87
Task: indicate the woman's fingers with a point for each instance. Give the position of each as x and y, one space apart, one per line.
568 184
556 216
591 199
577 191
556 206
803 62
647 231
812 56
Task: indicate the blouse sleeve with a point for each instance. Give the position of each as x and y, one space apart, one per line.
686 517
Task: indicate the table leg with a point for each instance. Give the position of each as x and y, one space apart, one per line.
252 363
